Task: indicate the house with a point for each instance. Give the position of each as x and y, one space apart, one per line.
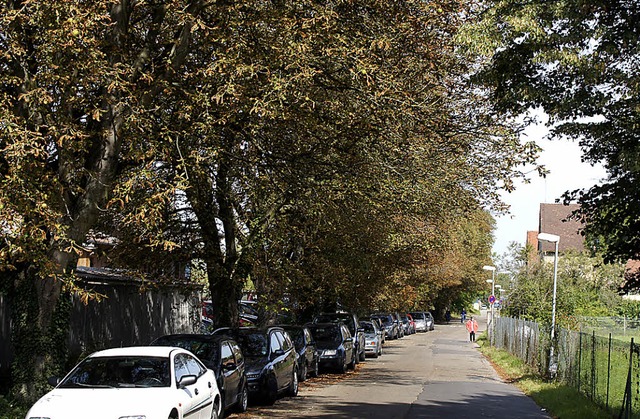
557 219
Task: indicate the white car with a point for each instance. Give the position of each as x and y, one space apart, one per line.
141 382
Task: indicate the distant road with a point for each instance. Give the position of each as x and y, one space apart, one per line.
438 374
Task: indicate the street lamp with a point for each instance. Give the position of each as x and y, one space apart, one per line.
552 238
492 281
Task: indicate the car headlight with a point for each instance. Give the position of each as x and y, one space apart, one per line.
330 352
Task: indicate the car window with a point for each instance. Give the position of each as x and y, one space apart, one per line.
346 334
368 327
308 336
237 353
226 355
286 341
180 364
254 345
297 335
275 342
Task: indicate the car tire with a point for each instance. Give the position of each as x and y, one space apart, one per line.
272 390
214 412
303 372
352 364
243 400
316 368
343 365
293 386
363 356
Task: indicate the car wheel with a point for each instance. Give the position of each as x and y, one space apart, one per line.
272 390
293 387
303 371
243 400
363 356
352 364
214 412
343 365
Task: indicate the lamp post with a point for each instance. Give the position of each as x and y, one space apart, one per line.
552 238
493 283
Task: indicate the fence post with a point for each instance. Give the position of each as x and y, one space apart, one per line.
594 374
608 373
579 358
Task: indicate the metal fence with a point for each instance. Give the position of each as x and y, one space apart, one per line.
605 369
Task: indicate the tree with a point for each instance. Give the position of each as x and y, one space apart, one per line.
577 61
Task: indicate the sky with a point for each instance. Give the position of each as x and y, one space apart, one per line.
566 172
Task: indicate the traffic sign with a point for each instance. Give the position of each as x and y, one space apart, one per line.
492 299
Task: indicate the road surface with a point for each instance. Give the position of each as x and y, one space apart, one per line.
438 374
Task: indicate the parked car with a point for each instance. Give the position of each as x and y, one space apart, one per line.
221 354
408 324
352 322
390 326
398 321
133 382
335 345
380 326
430 320
306 348
420 319
373 341
271 361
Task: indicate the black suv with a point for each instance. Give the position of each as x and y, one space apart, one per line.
353 324
271 358
224 357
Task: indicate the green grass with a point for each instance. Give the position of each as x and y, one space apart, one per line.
559 400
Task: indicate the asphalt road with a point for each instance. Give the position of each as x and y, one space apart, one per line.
438 374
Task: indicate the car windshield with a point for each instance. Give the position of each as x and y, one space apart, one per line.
206 351
337 317
386 320
253 344
417 316
129 371
368 327
326 334
297 336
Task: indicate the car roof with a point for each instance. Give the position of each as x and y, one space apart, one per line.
157 351
194 336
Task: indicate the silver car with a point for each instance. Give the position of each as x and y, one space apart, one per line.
420 319
373 342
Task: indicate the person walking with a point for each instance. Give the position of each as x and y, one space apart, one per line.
463 316
472 328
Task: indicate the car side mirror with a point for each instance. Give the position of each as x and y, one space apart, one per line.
187 380
53 381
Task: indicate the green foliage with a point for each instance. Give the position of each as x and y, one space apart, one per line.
586 286
575 60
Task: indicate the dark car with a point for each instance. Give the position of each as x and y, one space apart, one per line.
398 321
271 361
306 348
335 345
353 323
223 356
390 326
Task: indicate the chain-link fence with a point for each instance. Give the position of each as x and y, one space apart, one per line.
605 369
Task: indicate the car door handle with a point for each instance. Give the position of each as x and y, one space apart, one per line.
209 384
197 392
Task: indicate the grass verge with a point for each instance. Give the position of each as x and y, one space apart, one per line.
559 400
